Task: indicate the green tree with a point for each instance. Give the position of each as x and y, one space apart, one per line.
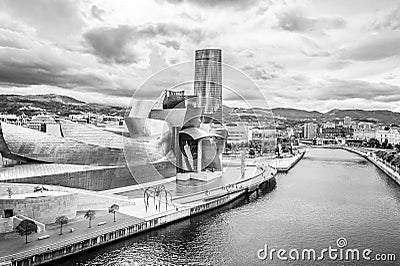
61 220
90 215
113 209
25 228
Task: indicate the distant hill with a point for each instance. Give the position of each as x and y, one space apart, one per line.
384 116
52 103
64 105
296 114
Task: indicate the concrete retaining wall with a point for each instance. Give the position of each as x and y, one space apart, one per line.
85 199
6 225
97 202
42 209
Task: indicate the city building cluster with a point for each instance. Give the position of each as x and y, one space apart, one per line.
349 131
50 123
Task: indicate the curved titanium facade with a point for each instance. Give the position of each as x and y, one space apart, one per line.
38 146
91 135
101 167
82 145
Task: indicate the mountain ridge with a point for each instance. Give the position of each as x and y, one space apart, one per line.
385 116
53 103
62 104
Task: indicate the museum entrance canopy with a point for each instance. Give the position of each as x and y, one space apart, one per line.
197 133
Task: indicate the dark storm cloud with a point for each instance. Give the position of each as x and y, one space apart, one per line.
294 21
50 18
111 44
24 74
115 44
24 62
37 71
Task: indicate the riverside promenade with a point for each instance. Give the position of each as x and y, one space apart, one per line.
135 218
284 164
368 153
388 169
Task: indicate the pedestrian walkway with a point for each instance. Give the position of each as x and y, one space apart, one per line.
13 243
230 175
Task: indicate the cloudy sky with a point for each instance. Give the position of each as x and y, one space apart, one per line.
314 55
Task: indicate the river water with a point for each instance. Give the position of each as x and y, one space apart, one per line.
329 194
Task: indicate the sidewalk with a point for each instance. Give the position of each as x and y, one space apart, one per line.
230 175
17 244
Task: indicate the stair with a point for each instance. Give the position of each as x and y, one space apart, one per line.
40 226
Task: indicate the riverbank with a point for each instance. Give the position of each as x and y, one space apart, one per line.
382 165
286 163
368 154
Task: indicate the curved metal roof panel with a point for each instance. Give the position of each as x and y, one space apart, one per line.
197 133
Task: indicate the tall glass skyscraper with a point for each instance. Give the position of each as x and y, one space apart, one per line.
208 83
